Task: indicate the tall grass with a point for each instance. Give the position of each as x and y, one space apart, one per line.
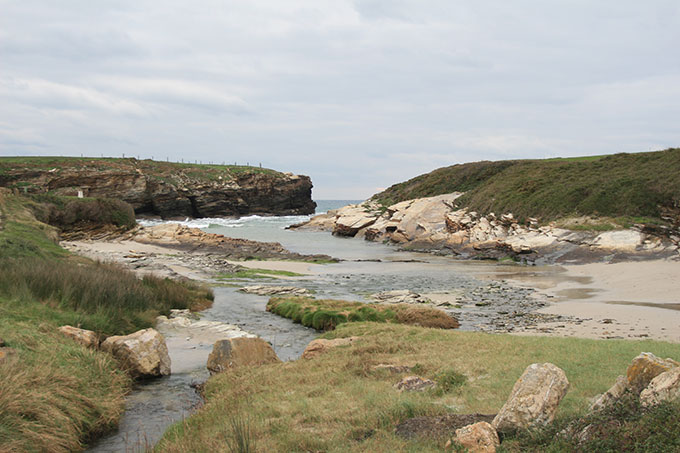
54 393
110 299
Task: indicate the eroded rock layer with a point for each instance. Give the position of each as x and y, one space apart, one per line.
166 189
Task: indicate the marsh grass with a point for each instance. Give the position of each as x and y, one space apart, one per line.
327 314
54 393
336 403
103 297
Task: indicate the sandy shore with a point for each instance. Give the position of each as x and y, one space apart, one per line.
623 300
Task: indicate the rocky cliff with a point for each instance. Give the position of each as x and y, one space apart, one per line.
165 189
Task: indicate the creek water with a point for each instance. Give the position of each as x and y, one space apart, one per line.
367 268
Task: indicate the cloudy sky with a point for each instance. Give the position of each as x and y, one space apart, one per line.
359 94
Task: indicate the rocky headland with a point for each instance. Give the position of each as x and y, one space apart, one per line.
162 188
439 224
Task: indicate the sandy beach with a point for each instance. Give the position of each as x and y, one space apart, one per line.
621 300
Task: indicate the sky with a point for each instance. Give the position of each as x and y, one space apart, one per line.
358 94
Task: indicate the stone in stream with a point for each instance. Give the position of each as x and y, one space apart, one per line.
87 338
262 290
144 353
534 398
400 296
243 351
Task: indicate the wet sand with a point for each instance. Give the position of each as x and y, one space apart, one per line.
630 300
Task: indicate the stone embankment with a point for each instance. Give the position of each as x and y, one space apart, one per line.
166 189
437 224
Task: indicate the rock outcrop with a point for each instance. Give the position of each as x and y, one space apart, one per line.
664 387
144 353
87 338
236 352
414 384
166 189
438 224
178 236
534 398
644 379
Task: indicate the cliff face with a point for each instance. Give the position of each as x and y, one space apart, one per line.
165 189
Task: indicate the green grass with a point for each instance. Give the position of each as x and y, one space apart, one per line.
336 403
326 314
643 185
250 273
165 171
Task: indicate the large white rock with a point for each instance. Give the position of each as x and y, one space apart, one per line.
664 387
353 218
534 398
623 240
144 353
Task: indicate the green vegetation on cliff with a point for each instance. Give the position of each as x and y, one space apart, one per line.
620 185
339 402
56 394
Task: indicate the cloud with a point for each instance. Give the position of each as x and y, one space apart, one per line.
356 93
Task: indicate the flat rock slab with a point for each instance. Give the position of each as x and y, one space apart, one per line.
439 427
263 290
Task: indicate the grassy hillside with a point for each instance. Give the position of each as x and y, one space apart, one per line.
338 401
620 185
54 393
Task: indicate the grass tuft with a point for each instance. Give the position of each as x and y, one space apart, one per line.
327 314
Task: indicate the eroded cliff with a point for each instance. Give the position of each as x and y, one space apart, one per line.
163 188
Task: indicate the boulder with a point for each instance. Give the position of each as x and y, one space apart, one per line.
353 218
664 387
242 351
478 438
262 290
646 367
614 393
534 398
414 384
400 296
144 353
87 338
320 346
